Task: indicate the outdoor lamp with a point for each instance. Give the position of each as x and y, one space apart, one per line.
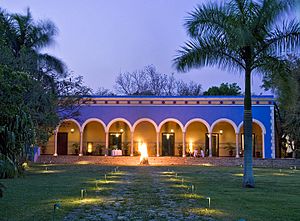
90 147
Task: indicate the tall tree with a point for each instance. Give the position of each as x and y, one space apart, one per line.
284 80
241 35
224 89
148 81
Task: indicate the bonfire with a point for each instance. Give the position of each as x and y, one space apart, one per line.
144 153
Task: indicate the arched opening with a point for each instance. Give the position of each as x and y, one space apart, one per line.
223 139
171 140
145 132
257 140
195 138
119 138
93 138
68 138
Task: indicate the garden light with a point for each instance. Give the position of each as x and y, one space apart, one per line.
56 206
208 198
82 193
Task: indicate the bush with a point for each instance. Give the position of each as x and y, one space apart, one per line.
7 168
2 187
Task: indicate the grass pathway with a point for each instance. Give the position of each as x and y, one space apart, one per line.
139 193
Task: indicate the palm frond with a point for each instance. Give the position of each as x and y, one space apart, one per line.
206 19
207 52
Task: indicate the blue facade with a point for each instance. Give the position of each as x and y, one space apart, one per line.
183 109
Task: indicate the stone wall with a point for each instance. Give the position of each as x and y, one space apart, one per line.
130 161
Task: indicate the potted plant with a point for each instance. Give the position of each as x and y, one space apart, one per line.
230 148
179 147
43 149
76 148
99 149
125 148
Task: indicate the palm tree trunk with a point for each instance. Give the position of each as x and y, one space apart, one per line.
248 179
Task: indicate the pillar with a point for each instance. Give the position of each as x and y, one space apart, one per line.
183 144
237 155
55 144
210 144
131 145
263 145
81 144
157 144
106 143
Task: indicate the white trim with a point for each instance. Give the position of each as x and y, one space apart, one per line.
144 120
93 120
172 120
263 129
200 120
66 120
262 126
224 120
272 132
116 120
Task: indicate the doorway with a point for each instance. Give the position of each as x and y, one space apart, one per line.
115 140
62 143
214 144
168 144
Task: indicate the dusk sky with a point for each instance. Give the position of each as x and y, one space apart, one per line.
99 39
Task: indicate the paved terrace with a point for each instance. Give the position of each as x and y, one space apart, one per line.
161 161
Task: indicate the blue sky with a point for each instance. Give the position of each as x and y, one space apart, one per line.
99 39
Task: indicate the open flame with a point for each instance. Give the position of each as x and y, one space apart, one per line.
142 147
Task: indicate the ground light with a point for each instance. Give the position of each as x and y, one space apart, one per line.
193 188
82 193
56 206
208 198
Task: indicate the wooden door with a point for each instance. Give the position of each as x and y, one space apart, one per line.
62 143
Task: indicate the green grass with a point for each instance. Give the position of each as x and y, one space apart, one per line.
150 192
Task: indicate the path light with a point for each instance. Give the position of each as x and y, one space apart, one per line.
56 206
97 183
105 178
280 170
182 180
208 198
82 193
193 188
176 175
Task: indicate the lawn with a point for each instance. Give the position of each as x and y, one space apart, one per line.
150 193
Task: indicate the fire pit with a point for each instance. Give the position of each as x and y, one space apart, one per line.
144 153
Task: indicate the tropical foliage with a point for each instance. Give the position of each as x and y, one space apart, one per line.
284 80
240 35
31 86
224 89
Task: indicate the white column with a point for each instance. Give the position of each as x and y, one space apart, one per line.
81 144
237 155
210 144
157 144
106 143
55 144
263 145
131 145
183 144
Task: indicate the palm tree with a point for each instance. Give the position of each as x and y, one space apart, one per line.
240 35
25 39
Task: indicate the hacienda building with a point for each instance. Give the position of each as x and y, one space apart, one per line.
169 126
